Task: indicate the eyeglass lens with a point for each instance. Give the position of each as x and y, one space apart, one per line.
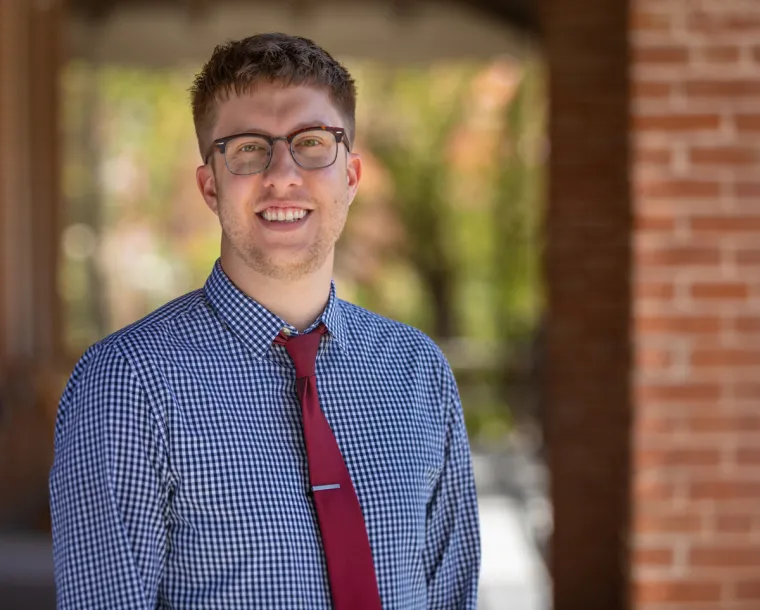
310 149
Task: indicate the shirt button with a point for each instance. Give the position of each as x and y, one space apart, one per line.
286 331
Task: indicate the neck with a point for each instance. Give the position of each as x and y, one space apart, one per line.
297 302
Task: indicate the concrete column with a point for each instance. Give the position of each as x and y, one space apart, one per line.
30 60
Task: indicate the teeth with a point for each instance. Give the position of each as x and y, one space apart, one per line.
283 215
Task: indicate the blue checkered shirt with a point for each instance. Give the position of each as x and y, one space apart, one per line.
180 475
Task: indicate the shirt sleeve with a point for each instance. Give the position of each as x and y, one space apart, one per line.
108 496
452 549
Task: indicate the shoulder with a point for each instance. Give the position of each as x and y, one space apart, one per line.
120 352
365 322
110 371
152 331
385 335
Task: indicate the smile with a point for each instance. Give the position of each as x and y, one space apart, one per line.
284 214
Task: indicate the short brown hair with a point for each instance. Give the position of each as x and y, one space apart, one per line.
238 65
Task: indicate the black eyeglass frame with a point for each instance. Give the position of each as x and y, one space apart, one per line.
221 145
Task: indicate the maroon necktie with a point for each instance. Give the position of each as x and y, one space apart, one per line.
350 569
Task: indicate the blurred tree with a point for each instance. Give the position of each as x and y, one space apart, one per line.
410 139
462 148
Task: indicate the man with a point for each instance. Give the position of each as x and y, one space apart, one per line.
260 443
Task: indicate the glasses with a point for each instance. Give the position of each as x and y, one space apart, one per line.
251 153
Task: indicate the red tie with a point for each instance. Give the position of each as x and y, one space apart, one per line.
344 537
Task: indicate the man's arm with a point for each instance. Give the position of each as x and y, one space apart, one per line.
107 490
452 547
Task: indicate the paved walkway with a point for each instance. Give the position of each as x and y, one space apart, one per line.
513 576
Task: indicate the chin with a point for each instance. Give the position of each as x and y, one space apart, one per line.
289 271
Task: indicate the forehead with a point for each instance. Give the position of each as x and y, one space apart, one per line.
275 109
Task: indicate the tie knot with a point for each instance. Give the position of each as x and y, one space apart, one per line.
302 350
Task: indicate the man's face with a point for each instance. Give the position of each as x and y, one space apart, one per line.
247 205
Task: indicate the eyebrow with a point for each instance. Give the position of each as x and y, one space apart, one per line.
302 125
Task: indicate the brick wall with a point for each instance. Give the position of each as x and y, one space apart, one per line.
696 185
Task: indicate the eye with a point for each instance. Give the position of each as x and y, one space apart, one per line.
251 148
310 142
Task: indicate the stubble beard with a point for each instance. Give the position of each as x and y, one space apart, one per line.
299 266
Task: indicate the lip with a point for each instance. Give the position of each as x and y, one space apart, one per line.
283 205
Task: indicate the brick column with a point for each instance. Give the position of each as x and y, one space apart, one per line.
588 262
696 118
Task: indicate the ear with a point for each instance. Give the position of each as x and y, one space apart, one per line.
353 175
206 181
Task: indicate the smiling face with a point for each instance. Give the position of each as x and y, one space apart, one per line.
282 223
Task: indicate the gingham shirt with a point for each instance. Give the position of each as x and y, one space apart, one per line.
180 475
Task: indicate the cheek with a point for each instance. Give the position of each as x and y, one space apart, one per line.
329 188
237 195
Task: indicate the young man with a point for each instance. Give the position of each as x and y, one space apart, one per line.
260 443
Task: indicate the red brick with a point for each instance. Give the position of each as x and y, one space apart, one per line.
748 456
747 325
649 591
733 524
719 54
650 223
748 589
747 122
721 489
747 390
722 88
748 257
722 22
724 155
725 224
676 122
677 457
677 392
723 423
677 256
679 188
725 357
653 557
653 156
728 556
679 325
670 523
720 290
650 424
660 54
645 89
747 188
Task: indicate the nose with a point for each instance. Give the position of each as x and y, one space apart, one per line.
283 171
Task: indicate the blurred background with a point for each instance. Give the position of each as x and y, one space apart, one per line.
562 194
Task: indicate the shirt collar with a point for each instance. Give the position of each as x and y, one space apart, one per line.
253 323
